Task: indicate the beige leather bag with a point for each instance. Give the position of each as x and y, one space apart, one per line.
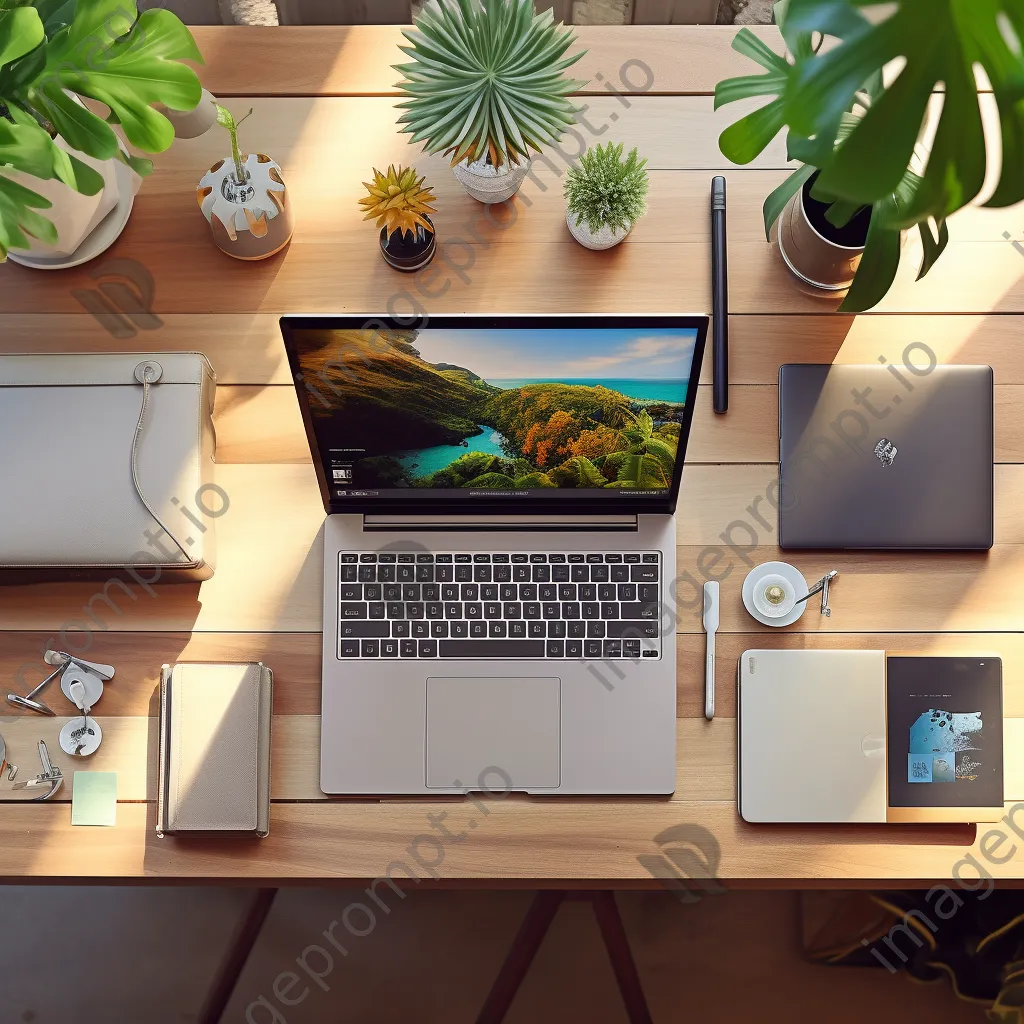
106 463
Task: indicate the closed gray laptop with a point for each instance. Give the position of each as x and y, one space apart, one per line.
885 457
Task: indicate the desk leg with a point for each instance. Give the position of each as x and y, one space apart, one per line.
524 948
242 944
606 911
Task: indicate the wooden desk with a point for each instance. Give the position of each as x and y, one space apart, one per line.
328 121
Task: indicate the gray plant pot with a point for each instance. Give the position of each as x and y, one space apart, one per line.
810 255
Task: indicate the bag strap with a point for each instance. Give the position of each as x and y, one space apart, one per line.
148 374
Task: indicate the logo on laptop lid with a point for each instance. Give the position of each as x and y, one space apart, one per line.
886 451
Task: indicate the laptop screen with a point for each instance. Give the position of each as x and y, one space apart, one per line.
471 409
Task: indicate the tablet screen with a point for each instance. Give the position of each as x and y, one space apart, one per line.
944 729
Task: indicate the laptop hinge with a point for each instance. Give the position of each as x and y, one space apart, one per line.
460 524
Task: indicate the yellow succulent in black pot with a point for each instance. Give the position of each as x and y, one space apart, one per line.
400 203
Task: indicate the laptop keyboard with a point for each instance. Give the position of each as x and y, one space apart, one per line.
503 605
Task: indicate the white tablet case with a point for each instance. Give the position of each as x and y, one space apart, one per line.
811 742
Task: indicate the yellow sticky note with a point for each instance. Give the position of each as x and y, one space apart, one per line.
94 798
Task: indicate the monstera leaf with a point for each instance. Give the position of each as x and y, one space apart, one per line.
18 217
127 64
941 41
54 51
55 14
863 137
25 146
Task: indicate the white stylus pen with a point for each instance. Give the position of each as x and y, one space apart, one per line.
710 627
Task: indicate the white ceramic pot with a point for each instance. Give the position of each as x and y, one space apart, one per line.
603 238
190 124
490 184
74 215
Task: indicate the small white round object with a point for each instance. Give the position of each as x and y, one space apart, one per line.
81 737
92 683
759 578
774 596
149 372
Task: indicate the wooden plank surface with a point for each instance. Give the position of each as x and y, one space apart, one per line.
265 601
356 60
523 251
246 348
708 754
269 575
706 770
263 425
518 839
296 661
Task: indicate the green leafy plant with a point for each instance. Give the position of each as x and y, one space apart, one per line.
604 190
865 138
487 82
648 459
52 52
227 121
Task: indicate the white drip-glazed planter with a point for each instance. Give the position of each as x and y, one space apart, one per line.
250 220
490 184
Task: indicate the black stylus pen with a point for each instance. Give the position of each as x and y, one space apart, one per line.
719 296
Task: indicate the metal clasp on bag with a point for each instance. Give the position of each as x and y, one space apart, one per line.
149 372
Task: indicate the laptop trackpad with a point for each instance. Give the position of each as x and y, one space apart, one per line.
483 732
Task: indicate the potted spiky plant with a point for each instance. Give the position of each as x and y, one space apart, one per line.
67 182
244 199
487 86
400 203
606 195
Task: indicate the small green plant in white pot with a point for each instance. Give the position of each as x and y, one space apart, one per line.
606 196
487 87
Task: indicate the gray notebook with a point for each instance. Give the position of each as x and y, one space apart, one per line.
215 749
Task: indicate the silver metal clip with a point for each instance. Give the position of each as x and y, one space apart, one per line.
50 777
34 705
821 585
62 660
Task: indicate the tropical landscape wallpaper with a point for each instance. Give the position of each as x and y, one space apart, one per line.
500 409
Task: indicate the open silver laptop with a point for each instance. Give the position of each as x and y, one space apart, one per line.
498 548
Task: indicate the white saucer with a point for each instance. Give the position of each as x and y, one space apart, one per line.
99 240
788 572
